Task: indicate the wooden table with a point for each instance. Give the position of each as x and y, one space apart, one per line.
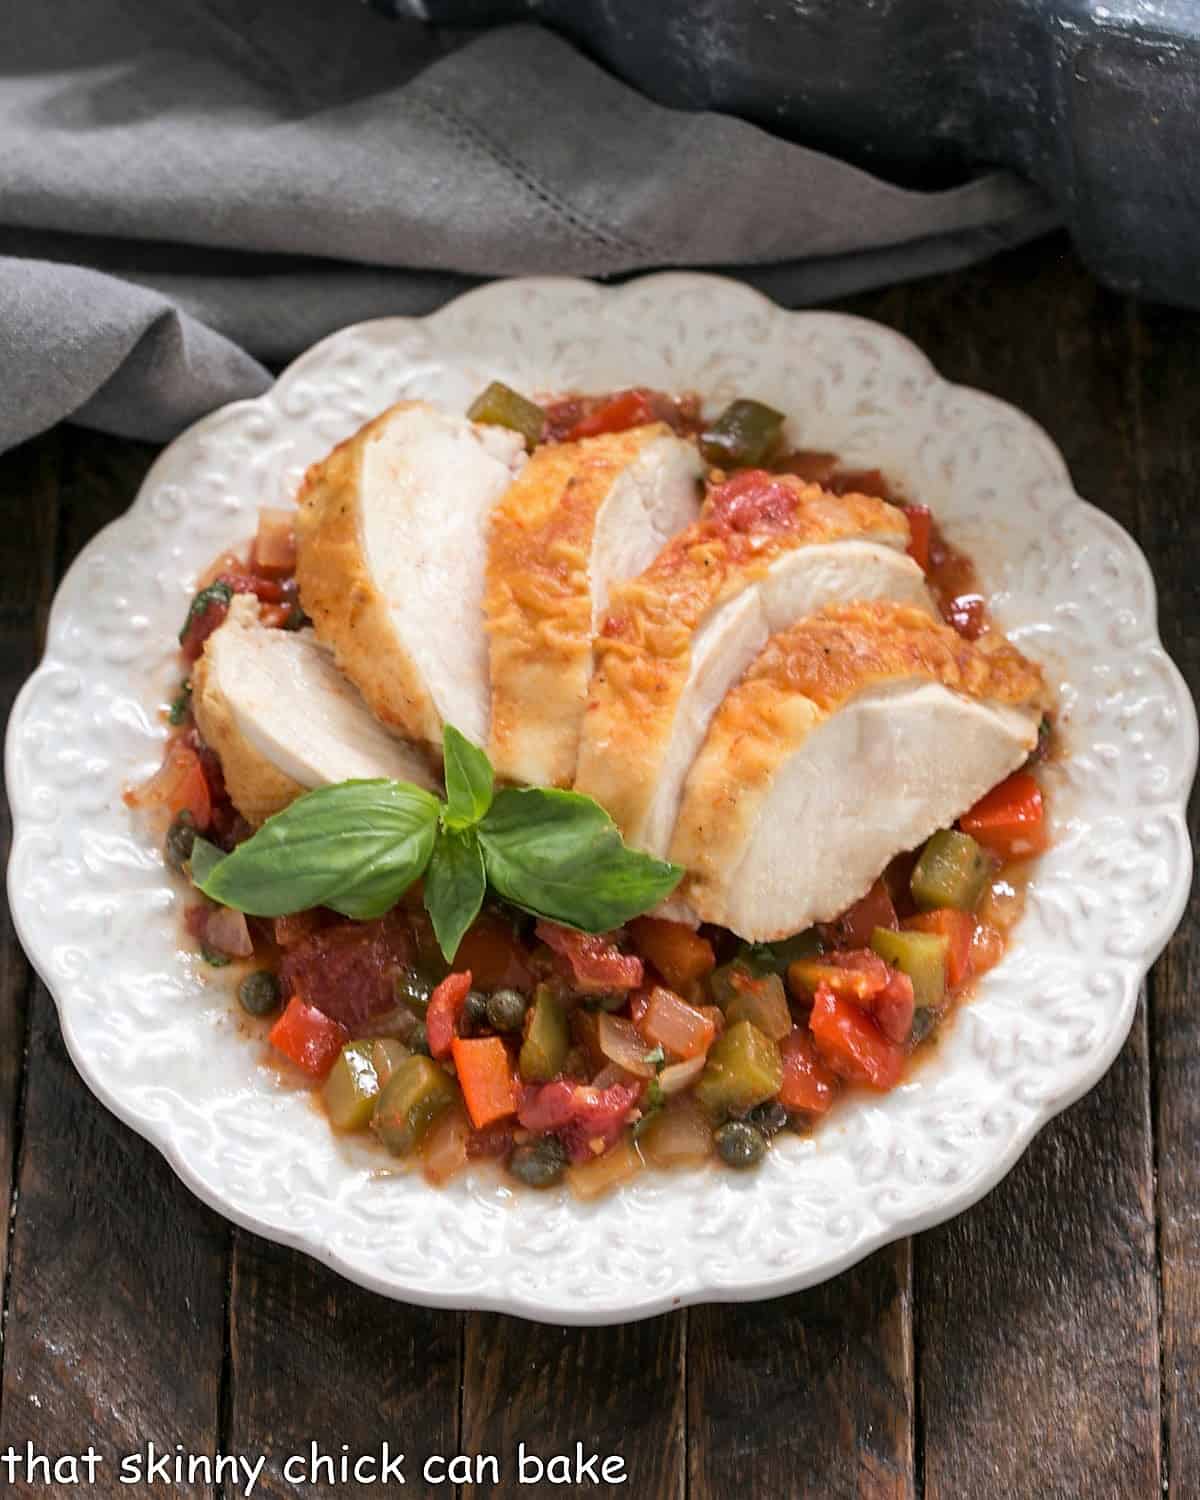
1044 1344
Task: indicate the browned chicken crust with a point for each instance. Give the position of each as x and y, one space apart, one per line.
643 654
538 600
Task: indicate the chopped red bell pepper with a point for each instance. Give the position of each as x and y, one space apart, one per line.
920 533
445 1007
752 500
1011 819
808 1084
851 1044
308 1037
621 411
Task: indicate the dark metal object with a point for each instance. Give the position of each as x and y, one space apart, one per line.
1099 104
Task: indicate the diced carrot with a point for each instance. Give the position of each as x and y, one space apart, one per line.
445 1006
1011 819
676 1026
485 1077
851 1044
920 533
679 953
494 954
958 928
308 1037
807 1083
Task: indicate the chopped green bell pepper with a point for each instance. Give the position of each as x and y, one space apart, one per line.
743 436
500 406
547 1040
413 1097
743 1069
952 871
920 955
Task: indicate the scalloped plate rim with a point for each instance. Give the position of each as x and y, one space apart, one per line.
619 1309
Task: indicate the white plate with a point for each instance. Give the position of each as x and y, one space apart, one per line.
159 1042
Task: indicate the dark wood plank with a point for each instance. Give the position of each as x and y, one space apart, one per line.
1037 1342
313 1358
115 1323
807 1395
1167 368
28 545
617 1392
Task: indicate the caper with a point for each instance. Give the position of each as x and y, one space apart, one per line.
413 990
740 1145
417 1040
770 1117
924 1023
180 837
474 1011
259 993
506 1010
539 1163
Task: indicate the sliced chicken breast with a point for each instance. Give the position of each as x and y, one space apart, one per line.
390 549
682 634
581 518
855 735
283 719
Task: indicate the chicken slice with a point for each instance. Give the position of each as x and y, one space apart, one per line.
390 541
678 637
282 718
580 518
855 735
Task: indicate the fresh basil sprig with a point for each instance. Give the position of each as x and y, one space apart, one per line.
358 846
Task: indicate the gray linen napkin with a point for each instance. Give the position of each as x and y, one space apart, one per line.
190 187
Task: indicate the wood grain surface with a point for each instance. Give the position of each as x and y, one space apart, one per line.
1044 1344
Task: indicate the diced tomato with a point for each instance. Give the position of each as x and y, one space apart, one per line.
200 626
1011 819
968 614
617 413
308 1037
679 954
752 500
854 927
807 1083
349 969
581 1116
671 1023
485 1077
893 1007
179 785
852 1044
293 929
958 928
861 482
862 976
445 1007
595 965
920 533
494 954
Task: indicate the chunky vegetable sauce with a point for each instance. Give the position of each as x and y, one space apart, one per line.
563 1055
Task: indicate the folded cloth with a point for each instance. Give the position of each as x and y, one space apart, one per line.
189 188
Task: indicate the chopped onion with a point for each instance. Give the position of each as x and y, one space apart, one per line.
624 1045
227 932
678 1136
618 1164
677 1076
444 1150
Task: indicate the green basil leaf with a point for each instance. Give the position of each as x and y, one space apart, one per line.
203 860
559 855
356 847
455 883
469 780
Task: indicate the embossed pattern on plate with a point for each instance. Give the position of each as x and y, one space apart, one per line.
158 1040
